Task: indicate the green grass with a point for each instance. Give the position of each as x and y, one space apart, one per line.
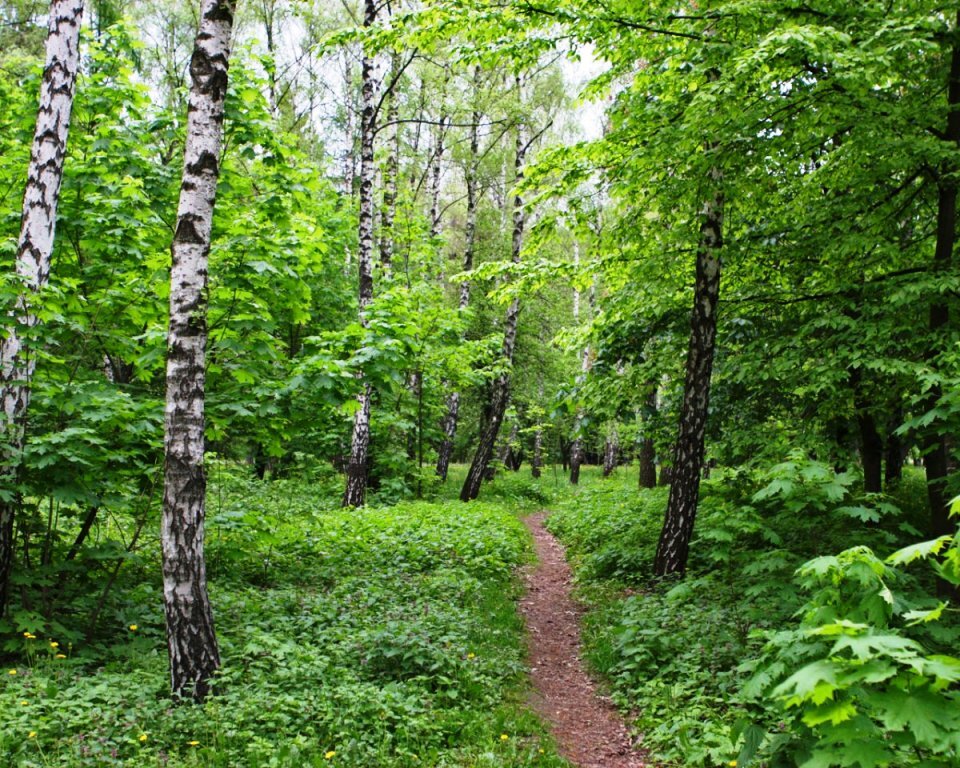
383 637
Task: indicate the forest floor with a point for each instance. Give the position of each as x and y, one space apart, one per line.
586 726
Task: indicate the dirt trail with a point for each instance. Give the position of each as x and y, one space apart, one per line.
586 726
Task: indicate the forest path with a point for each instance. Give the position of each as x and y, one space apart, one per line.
587 728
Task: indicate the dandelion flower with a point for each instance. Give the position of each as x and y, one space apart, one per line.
503 737
471 655
732 764
60 656
142 737
24 703
193 743
329 755
12 672
32 735
133 627
54 644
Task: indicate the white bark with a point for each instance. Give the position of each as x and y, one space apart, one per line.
191 641
354 494
34 250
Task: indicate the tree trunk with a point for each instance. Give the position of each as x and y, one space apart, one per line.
392 170
648 467
674 544
191 641
576 446
507 455
449 433
356 488
501 386
34 249
453 401
576 459
871 443
436 172
895 452
610 449
349 155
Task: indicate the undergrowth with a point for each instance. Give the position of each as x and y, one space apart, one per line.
773 650
379 637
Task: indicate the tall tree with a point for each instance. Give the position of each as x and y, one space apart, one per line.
674 544
356 487
191 640
500 390
34 250
445 451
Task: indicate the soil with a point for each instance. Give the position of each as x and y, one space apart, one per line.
587 728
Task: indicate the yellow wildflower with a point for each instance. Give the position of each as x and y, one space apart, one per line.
54 644
29 636
60 656
503 737
329 755
142 737
12 672
32 735
193 743
24 703
133 627
732 764
471 655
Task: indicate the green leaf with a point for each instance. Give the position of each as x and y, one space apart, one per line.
834 712
920 551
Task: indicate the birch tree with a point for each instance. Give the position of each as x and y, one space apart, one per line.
191 640
356 487
500 392
34 250
674 544
470 233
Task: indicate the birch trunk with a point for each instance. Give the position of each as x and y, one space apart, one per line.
674 545
436 174
500 395
610 449
191 640
392 170
355 492
34 250
576 447
453 400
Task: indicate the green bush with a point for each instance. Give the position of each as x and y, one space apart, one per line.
684 658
